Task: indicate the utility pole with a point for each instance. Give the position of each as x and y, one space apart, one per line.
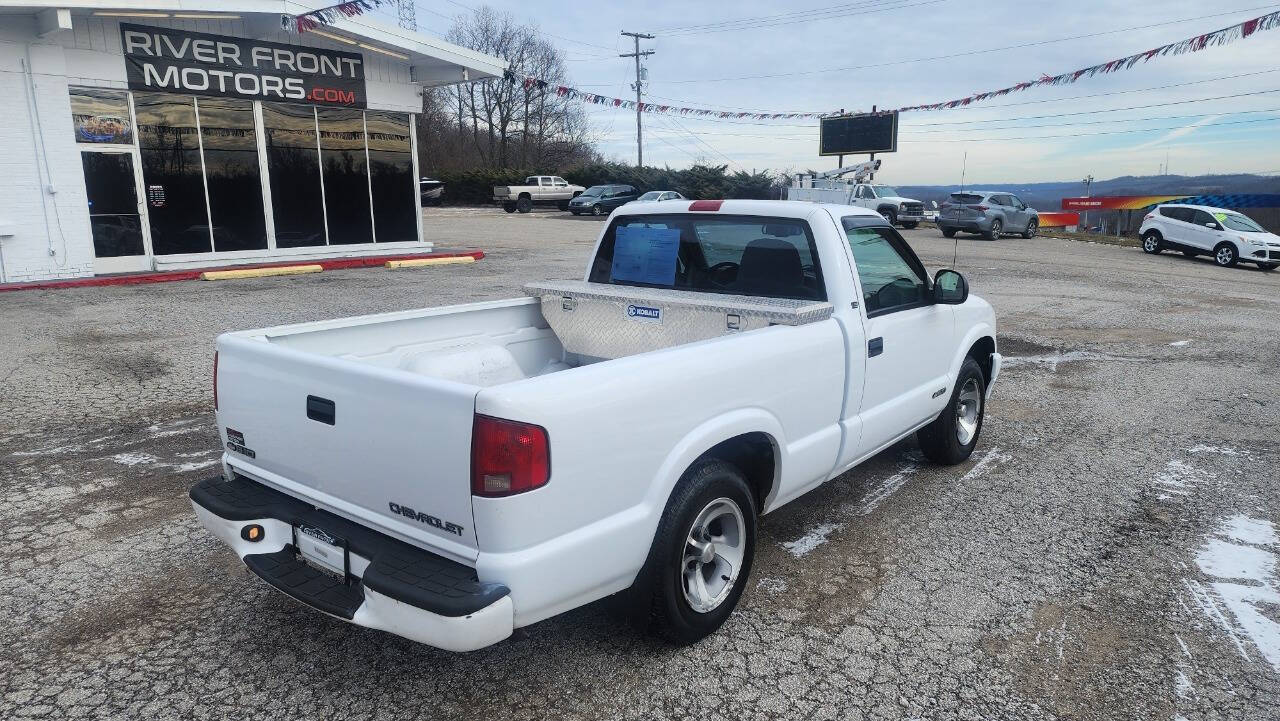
1088 182
638 86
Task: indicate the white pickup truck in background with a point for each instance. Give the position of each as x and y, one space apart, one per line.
537 190
453 473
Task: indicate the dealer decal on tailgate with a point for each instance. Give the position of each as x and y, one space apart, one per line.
235 443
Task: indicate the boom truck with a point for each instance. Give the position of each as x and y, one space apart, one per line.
831 187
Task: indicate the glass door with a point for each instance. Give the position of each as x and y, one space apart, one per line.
115 212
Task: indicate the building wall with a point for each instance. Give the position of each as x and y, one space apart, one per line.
51 236
90 55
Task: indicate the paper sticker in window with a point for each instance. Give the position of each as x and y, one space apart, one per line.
645 255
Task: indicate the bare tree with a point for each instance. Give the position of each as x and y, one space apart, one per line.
500 123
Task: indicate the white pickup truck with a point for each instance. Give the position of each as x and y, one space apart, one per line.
451 474
537 190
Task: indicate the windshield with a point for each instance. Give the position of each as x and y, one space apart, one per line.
887 191
1235 221
651 195
595 190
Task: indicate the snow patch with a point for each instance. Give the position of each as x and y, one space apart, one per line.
812 539
772 585
1180 343
881 492
1051 360
194 465
1250 530
134 459
1220 450
1182 685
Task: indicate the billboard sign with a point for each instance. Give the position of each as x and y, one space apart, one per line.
853 134
191 63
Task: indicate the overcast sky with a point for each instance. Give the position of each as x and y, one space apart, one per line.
690 68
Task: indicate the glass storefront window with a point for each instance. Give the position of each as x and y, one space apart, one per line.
395 194
346 175
101 116
172 173
294 167
231 172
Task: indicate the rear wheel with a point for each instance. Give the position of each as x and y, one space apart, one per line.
509 206
1225 255
948 232
1032 226
1267 266
524 205
701 555
953 435
1151 242
996 228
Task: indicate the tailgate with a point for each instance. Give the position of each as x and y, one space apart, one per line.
388 449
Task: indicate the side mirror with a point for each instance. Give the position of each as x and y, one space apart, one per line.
950 288
1215 226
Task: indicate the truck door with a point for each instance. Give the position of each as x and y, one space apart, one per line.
909 340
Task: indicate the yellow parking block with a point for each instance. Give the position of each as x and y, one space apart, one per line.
419 262
260 272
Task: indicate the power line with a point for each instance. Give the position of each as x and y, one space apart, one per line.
1107 132
955 55
793 18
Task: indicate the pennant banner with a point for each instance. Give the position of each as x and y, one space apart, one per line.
329 15
1188 45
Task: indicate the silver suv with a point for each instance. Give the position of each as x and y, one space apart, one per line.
987 213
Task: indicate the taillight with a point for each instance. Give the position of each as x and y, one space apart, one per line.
979 207
215 380
508 457
1148 216
706 205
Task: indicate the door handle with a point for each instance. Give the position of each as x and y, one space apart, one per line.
321 409
875 347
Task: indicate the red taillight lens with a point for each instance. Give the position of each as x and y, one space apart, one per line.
215 380
1148 216
978 207
706 205
508 457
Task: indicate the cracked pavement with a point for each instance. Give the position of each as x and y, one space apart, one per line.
1108 552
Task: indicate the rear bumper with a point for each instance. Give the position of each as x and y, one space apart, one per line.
390 585
972 226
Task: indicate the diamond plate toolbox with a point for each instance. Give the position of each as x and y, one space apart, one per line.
611 321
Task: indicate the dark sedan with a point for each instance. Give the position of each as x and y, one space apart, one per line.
602 199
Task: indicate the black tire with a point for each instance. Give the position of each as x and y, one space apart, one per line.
996 228
948 232
597 209
941 440
1151 242
1225 255
524 205
574 213
1267 266
660 601
910 224
1032 226
509 206
890 215
563 205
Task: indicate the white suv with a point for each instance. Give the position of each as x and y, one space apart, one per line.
1226 235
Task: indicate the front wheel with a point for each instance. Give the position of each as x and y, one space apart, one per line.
701 555
996 228
910 225
1225 255
597 209
1267 266
948 233
1151 242
953 435
890 215
1032 226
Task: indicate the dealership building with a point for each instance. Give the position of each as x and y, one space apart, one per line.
176 134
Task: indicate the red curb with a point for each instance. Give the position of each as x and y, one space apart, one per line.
176 275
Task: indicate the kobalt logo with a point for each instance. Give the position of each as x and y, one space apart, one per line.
426 518
641 311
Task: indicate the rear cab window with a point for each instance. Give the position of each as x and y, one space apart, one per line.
736 255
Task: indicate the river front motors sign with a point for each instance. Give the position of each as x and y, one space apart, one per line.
179 61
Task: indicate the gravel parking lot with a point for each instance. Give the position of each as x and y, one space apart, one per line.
1109 552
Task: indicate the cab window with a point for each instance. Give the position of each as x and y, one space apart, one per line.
892 277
